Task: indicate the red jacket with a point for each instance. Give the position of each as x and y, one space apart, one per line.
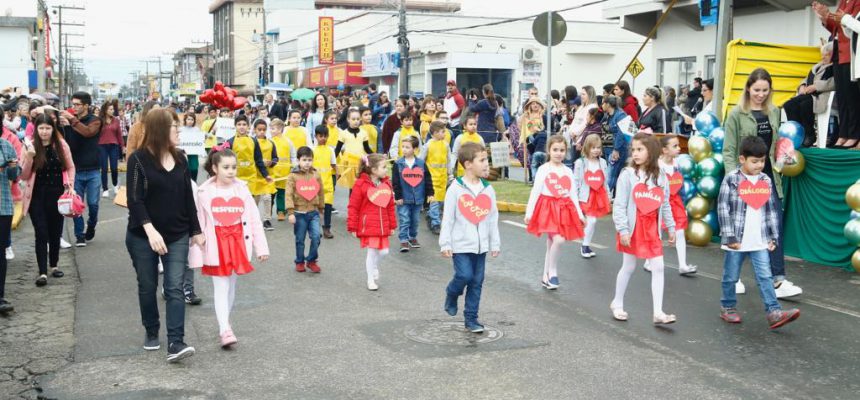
630 108
835 27
366 219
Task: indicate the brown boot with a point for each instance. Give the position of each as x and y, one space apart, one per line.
327 233
282 216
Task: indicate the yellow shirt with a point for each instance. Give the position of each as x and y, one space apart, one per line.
323 159
243 146
405 132
372 136
353 150
467 137
259 185
333 134
284 148
437 164
298 137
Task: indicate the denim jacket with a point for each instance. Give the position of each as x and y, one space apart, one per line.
406 192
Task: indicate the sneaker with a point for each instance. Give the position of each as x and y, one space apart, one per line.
314 267
740 288
5 307
554 282
730 315
151 342
414 244
687 270
436 230
267 225
548 285
404 247
787 289
474 327
192 299
371 285
106 194
334 211
115 190
228 339
327 233
10 255
300 267
282 216
64 244
42 281
90 234
450 306
586 252
80 242
779 318
177 351
646 266
56 273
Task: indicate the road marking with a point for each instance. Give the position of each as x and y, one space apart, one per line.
107 221
519 225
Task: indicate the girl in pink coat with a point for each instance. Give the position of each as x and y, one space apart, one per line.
231 223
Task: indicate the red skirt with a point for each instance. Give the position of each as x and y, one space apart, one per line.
374 242
645 242
232 256
597 204
556 215
679 212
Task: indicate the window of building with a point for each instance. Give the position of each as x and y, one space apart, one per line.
677 71
416 74
341 56
438 81
476 78
357 53
710 66
307 62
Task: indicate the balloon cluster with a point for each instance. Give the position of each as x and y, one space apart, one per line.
223 97
852 228
703 172
788 161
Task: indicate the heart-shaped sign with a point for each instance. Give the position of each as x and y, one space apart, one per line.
594 179
413 176
647 200
308 188
475 209
558 186
228 212
676 182
380 195
754 194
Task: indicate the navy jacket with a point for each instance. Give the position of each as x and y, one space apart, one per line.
406 192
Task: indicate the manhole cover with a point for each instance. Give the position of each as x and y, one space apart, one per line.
450 333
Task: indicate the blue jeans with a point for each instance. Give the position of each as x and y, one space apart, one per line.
145 263
434 214
307 224
327 216
777 258
408 216
615 169
761 266
87 186
468 273
538 158
109 155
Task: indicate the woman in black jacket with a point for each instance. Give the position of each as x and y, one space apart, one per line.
655 118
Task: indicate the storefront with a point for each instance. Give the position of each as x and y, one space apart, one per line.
470 71
382 69
337 76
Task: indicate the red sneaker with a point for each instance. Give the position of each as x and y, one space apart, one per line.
300 267
730 315
312 265
779 318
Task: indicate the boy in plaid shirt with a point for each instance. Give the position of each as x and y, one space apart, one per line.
749 227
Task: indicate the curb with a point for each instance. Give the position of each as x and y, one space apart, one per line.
505 206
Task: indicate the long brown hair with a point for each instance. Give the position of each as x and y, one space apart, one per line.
652 165
758 74
41 156
156 140
490 95
370 162
103 112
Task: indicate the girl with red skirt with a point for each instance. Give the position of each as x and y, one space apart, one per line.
590 179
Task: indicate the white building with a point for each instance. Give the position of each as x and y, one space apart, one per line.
683 50
506 55
19 52
237 42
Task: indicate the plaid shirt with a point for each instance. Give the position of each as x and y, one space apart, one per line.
732 210
7 175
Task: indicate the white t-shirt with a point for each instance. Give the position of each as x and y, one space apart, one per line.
474 187
753 240
592 165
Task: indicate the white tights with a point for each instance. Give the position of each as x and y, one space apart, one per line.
374 257
223 295
681 246
626 271
550 264
590 224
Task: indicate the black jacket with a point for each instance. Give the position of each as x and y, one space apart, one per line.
657 118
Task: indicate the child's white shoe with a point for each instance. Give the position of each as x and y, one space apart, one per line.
371 285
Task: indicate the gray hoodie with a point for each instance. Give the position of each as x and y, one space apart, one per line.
459 234
624 208
582 189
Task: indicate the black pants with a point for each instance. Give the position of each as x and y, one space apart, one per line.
5 234
799 109
848 100
48 224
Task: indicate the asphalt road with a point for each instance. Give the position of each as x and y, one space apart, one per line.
325 336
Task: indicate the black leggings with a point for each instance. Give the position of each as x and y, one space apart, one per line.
48 224
5 234
799 109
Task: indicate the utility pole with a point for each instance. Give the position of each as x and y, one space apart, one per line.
63 61
404 49
40 46
265 54
724 34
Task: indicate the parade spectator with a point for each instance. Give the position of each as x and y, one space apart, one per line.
9 171
695 93
392 125
813 95
372 96
380 110
704 104
454 104
654 119
110 146
319 106
135 135
485 109
82 134
274 109
162 219
631 103
617 153
588 101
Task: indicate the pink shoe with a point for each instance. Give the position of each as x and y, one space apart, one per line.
228 339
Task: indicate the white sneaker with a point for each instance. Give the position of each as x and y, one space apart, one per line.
115 190
787 289
687 269
740 288
64 244
10 255
106 194
371 285
646 266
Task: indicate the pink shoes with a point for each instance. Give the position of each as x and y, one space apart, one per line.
228 339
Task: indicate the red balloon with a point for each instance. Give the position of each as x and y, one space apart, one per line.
239 102
232 91
229 98
219 86
207 96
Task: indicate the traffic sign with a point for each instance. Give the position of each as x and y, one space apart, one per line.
635 68
558 27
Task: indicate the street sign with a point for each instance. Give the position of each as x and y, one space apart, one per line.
558 28
635 68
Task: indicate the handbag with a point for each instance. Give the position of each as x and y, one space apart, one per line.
70 204
121 198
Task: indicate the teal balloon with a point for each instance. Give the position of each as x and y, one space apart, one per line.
709 187
689 190
852 232
855 214
686 165
719 158
793 131
706 122
713 220
709 167
716 137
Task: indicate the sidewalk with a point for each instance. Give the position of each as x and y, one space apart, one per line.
38 337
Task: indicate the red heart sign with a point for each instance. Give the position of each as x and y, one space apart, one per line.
754 194
380 195
558 186
594 179
413 176
647 200
676 182
308 188
475 209
228 212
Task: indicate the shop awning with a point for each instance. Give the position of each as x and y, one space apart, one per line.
345 74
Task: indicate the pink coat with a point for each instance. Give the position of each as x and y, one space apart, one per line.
255 238
29 175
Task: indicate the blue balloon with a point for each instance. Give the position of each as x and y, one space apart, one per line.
793 131
706 122
686 165
716 137
689 190
714 221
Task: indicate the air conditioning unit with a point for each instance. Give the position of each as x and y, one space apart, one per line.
530 54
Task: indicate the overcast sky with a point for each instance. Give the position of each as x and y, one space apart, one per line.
119 34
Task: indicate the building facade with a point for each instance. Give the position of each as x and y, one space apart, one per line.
19 51
237 41
192 67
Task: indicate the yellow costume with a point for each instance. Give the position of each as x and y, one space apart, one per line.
467 137
259 185
372 136
437 164
405 132
322 163
246 170
426 119
298 137
352 150
284 148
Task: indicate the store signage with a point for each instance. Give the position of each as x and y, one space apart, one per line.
326 40
382 64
